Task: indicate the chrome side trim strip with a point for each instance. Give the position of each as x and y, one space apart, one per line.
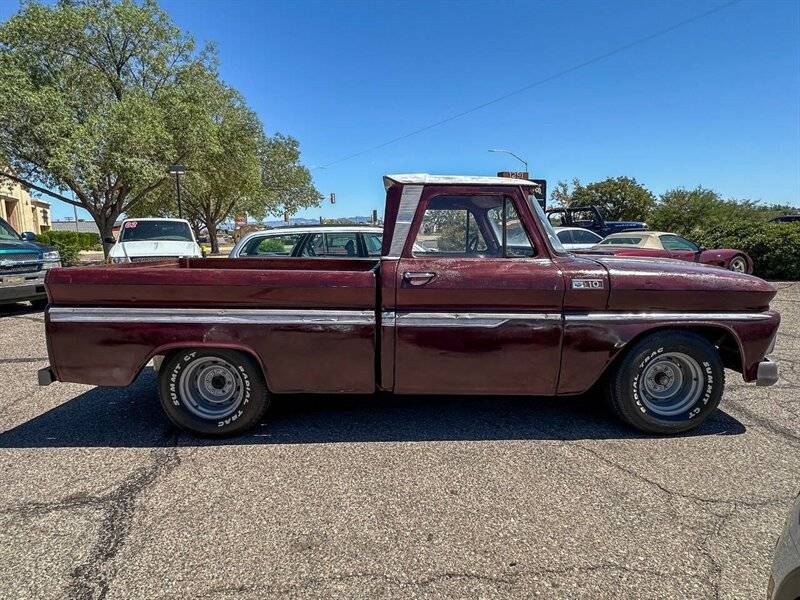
409 200
212 316
667 316
470 319
479 319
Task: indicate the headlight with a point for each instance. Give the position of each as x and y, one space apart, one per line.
51 256
119 259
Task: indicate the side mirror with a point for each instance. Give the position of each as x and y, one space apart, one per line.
701 249
109 240
28 236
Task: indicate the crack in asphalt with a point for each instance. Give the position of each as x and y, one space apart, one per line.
736 503
92 579
7 361
425 581
312 582
784 433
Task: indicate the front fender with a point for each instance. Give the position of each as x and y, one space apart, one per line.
594 341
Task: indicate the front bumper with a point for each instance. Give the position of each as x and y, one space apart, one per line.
767 373
24 286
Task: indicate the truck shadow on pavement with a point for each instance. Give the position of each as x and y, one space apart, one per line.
132 417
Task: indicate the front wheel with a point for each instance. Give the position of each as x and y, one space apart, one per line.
212 391
668 382
738 264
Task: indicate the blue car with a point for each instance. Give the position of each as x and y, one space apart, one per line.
23 265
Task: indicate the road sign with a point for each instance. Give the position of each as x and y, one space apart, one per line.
513 174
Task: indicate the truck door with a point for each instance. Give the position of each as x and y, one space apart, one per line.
478 298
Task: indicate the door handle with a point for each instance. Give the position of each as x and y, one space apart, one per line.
418 278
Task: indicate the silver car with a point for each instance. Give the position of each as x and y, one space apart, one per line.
329 241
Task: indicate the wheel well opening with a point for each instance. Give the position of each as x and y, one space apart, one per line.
164 355
719 337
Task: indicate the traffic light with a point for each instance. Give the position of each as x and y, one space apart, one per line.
333 198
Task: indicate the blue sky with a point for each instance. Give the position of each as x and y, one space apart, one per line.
714 103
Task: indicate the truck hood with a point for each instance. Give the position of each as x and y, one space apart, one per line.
154 248
19 247
646 283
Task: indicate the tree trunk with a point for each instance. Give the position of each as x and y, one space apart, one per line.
212 237
105 224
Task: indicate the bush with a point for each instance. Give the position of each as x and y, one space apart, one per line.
69 244
774 247
709 220
81 240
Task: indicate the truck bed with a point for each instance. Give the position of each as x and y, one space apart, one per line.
312 321
239 282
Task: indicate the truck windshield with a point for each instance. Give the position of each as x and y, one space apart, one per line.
6 232
548 227
167 231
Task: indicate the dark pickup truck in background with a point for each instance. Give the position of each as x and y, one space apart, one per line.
473 294
589 217
23 265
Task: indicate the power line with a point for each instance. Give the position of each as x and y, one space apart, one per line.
525 88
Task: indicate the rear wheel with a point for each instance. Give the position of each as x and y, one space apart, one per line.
738 264
212 391
668 382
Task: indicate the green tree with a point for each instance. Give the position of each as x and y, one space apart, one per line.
616 197
236 168
687 212
97 98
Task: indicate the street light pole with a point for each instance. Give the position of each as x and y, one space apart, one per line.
177 170
178 192
524 162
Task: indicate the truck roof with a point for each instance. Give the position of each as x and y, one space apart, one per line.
426 179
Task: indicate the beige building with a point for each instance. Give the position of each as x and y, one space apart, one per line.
21 211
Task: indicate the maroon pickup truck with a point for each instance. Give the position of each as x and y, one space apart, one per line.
473 294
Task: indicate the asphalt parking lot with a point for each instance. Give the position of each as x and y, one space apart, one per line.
385 497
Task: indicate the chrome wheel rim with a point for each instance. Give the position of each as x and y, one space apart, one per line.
211 388
671 384
738 264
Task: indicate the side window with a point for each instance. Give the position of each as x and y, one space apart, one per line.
565 236
585 237
471 226
373 242
508 227
674 242
342 245
271 245
333 245
314 246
